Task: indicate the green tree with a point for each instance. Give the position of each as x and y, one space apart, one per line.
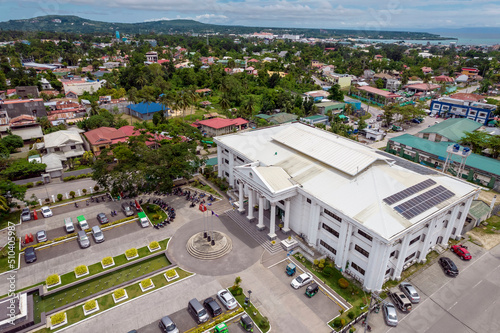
477 141
379 83
335 93
12 142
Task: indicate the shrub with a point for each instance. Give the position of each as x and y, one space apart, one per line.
321 266
171 273
131 252
81 176
343 283
59 197
89 305
84 191
96 188
107 261
80 270
47 200
146 283
322 261
337 322
156 216
328 271
38 183
29 185
154 245
351 315
264 323
72 194
52 279
316 262
119 293
57 318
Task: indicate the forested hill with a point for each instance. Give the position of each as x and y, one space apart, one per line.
75 24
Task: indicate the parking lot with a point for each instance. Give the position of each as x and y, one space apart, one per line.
184 321
320 303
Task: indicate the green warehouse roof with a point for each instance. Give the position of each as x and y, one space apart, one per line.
211 161
478 209
478 162
453 129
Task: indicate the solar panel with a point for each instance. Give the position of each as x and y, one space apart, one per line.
409 191
423 202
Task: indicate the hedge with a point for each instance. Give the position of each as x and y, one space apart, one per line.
171 273
52 279
131 253
29 185
343 283
89 305
107 261
80 270
119 293
57 318
38 183
146 283
154 245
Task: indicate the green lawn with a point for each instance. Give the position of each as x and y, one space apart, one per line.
152 210
205 188
11 217
353 293
4 257
97 285
250 309
493 226
106 302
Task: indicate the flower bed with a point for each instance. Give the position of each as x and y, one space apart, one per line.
146 285
81 270
53 280
131 254
107 262
58 320
120 295
171 274
90 307
154 246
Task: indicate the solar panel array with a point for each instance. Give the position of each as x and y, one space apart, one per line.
409 191
423 202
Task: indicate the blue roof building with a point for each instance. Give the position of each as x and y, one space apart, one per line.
145 111
447 107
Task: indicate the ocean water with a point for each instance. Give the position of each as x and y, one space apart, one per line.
459 41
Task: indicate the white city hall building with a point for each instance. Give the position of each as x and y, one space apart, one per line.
372 213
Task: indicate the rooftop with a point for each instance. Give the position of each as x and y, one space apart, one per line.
217 123
454 128
144 108
383 93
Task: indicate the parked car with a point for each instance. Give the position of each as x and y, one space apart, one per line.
83 239
401 301
102 218
227 299
127 210
390 315
29 255
301 280
41 236
212 307
416 120
448 266
397 128
26 214
167 325
461 251
46 212
97 233
410 292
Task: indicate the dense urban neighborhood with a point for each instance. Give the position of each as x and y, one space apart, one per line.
244 179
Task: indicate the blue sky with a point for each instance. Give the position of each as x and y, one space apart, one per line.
362 14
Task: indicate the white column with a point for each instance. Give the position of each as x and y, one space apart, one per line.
344 242
427 243
241 209
286 228
231 170
250 204
220 158
402 255
261 225
375 273
460 224
272 227
312 232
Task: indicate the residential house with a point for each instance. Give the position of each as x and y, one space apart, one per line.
316 95
478 212
444 79
26 127
80 86
145 111
278 118
469 97
45 84
17 107
447 107
471 73
427 70
220 126
27 92
377 96
452 130
103 137
152 56
330 106
59 147
343 80
422 88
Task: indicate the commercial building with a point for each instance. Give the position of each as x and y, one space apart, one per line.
449 130
78 88
370 212
456 108
220 126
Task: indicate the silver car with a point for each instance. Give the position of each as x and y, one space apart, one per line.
41 236
410 292
167 325
83 239
25 214
390 315
97 233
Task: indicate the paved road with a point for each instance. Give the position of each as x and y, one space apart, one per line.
57 186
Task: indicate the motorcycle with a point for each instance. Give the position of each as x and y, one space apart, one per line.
76 205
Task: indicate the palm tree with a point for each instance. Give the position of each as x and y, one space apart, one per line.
167 99
224 102
4 205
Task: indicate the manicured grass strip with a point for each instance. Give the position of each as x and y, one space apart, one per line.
106 302
4 257
11 217
250 309
152 210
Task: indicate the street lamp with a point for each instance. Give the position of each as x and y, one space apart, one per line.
249 295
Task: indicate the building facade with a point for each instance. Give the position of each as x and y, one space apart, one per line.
455 108
339 195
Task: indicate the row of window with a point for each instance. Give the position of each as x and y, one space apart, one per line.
365 235
327 212
361 250
331 230
359 269
327 246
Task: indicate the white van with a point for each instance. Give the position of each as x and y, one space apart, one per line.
82 222
68 225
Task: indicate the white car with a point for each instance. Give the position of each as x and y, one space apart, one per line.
301 280
46 212
227 299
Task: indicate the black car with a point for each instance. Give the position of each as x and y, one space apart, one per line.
29 255
448 266
101 217
212 307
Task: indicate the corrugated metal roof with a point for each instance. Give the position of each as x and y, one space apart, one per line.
332 151
453 129
275 177
478 209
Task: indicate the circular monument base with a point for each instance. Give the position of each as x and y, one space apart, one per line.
201 248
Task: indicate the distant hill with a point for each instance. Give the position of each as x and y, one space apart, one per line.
75 24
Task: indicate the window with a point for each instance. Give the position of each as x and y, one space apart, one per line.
445 108
482 114
426 136
472 113
57 149
308 200
327 212
226 161
436 106
445 223
454 231
73 147
414 240
388 271
449 212
240 159
330 230
328 247
359 269
361 250
423 237
365 235
227 151
226 173
459 215
393 253
410 256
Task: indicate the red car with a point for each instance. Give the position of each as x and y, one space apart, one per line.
461 251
